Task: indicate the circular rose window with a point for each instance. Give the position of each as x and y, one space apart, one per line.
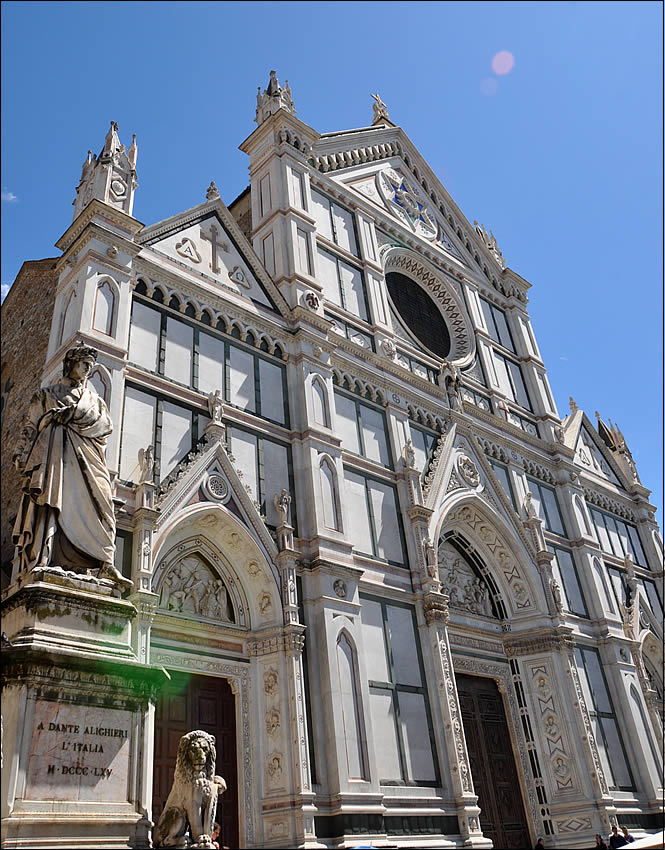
419 313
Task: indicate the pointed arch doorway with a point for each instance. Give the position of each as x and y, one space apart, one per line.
189 702
495 777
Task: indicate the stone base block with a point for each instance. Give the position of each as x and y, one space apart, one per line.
77 743
59 611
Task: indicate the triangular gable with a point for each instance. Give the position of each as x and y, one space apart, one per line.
591 454
207 474
391 188
207 241
362 160
461 468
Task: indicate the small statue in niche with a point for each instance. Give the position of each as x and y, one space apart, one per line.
556 594
430 558
453 389
529 507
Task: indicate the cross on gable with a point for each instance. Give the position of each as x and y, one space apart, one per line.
214 244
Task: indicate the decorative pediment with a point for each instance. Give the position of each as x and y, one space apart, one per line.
591 453
207 241
208 474
364 160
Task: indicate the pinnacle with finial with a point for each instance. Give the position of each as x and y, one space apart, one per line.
573 405
212 192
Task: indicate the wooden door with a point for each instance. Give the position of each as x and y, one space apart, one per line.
191 702
495 778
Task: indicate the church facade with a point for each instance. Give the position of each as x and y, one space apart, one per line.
414 605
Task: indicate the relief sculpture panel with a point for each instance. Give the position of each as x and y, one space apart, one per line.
466 591
190 587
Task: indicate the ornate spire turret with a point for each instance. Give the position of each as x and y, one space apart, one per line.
110 177
274 97
616 442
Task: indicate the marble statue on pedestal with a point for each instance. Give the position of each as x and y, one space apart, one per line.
66 517
192 801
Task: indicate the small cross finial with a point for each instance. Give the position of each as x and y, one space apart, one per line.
212 192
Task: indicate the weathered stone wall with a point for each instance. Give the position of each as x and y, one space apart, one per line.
241 210
27 313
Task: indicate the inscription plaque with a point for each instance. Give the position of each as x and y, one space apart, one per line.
79 753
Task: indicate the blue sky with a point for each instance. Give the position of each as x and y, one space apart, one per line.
561 157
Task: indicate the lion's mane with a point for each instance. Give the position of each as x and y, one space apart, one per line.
184 770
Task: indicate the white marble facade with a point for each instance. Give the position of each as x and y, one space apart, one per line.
443 518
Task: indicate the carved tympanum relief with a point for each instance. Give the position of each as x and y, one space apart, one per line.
466 591
499 554
191 587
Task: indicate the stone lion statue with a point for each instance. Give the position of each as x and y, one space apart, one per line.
192 800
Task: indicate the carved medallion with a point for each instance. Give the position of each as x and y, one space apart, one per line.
311 300
340 588
468 470
404 201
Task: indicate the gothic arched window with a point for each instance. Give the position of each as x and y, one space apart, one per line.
104 312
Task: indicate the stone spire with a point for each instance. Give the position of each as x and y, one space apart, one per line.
616 442
110 177
274 97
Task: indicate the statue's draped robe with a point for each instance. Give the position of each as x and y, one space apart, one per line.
66 516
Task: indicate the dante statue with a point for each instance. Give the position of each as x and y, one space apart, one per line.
66 517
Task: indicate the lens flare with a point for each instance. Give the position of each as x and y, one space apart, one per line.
502 62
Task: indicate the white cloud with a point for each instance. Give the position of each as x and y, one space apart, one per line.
4 290
8 196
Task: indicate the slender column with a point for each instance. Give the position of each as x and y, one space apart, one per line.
142 597
468 812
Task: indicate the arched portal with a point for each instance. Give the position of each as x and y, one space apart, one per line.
216 586
492 584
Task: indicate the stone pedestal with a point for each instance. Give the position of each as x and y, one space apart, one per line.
75 709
